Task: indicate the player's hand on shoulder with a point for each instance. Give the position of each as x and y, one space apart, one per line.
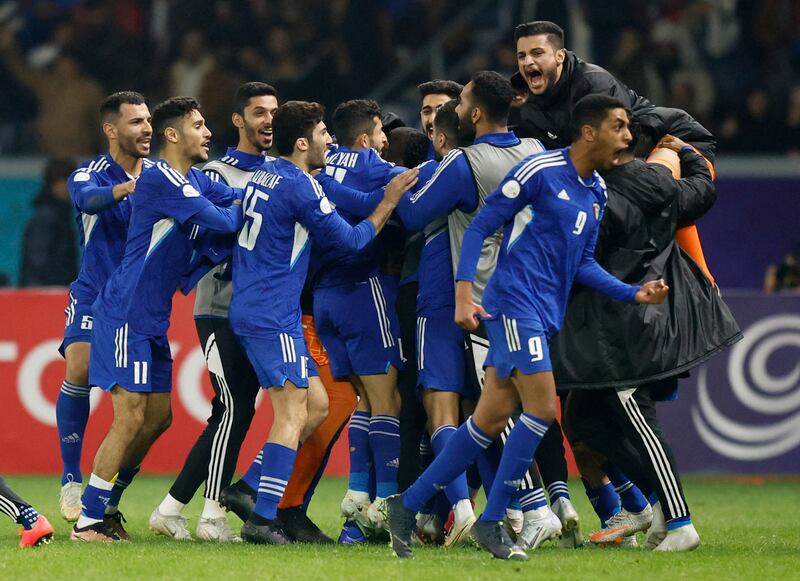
671 142
400 184
653 292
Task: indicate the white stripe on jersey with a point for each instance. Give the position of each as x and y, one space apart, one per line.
534 169
445 162
161 230
539 159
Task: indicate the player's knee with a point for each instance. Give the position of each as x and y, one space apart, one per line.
78 370
162 422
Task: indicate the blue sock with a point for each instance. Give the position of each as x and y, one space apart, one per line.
95 498
487 464
253 474
679 522
276 469
27 517
462 449
124 479
531 499
605 501
556 490
384 440
360 455
457 489
653 498
630 496
72 414
515 503
425 459
517 457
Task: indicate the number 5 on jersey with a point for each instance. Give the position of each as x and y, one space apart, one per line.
251 228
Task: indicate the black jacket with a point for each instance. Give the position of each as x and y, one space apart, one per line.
50 245
547 117
605 343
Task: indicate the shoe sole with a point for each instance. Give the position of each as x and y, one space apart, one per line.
571 537
461 535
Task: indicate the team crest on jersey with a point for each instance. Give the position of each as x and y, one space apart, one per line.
596 209
81 176
190 192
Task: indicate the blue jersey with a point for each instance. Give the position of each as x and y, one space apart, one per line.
168 208
283 206
364 170
451 187
102 222
551 218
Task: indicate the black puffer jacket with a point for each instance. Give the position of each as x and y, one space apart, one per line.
605 343
547 117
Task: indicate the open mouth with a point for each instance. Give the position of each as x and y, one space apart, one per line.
206 145
266 133
535 79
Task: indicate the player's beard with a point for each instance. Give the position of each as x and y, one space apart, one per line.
254 138
466 131
128 146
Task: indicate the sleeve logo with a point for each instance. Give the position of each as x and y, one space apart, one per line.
81 176
325 206
511 189
189 191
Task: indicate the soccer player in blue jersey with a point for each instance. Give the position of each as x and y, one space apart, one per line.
355 315
99 189
212 459
130 352
550 206
283 207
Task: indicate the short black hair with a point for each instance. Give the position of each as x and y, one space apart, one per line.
593 110
293 120
352 118
111 105
446 121
411 145
167 112
555 34
493 93
249 90
440 87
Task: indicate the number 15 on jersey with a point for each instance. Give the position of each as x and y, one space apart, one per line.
252 226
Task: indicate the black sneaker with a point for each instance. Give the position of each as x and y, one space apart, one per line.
95 532
299 528
114 521
240 499
402 523
269 533
493 537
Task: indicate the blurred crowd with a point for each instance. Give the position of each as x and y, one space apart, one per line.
734 64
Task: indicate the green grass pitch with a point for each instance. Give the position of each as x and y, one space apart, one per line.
750 530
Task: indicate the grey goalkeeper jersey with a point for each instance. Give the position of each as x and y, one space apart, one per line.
213 296
489 164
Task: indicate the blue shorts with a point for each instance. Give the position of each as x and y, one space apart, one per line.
135 362
519 344
78 324
358 326
280 357
441 357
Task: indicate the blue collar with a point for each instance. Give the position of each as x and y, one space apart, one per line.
506 138
245 161
115 169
